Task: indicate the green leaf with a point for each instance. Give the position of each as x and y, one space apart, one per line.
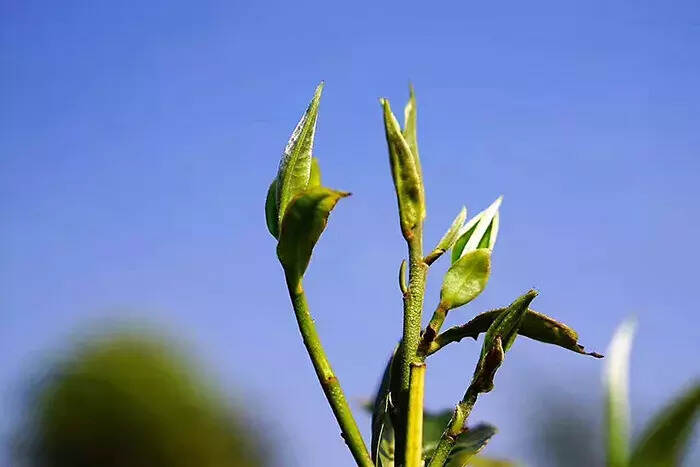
664 440
535 326
450 237
616 380
303 223
407 181
315 177
469 444
466 279
480 231
295 167
271 209
410 131
498 340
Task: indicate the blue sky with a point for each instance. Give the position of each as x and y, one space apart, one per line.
138 139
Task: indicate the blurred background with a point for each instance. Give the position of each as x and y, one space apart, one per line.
137 143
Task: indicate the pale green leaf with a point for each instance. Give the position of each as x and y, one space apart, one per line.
271 209
485 221
410 131
480 231
295 166
303 223
466 279
616 381
450 237
463 237
407 181
664 440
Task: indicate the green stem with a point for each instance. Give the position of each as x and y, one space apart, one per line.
454 428
414 430
412 317
326 376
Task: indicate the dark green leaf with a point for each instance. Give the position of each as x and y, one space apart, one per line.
407 181
271 209
499 338
617 401
535 326
295 167
466 278
303 223
663 442
469 444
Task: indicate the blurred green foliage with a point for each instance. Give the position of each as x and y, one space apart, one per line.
130 400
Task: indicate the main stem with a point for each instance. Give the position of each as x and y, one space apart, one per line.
326 376
412 317
454 428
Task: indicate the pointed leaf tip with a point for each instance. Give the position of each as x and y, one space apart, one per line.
295 166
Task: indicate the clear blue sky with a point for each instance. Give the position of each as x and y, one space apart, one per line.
138 139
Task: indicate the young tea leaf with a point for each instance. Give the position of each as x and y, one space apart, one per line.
410 131
295 167
485 222
407 181
466 279
615 379
480 231
303 223
666 436
450 237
